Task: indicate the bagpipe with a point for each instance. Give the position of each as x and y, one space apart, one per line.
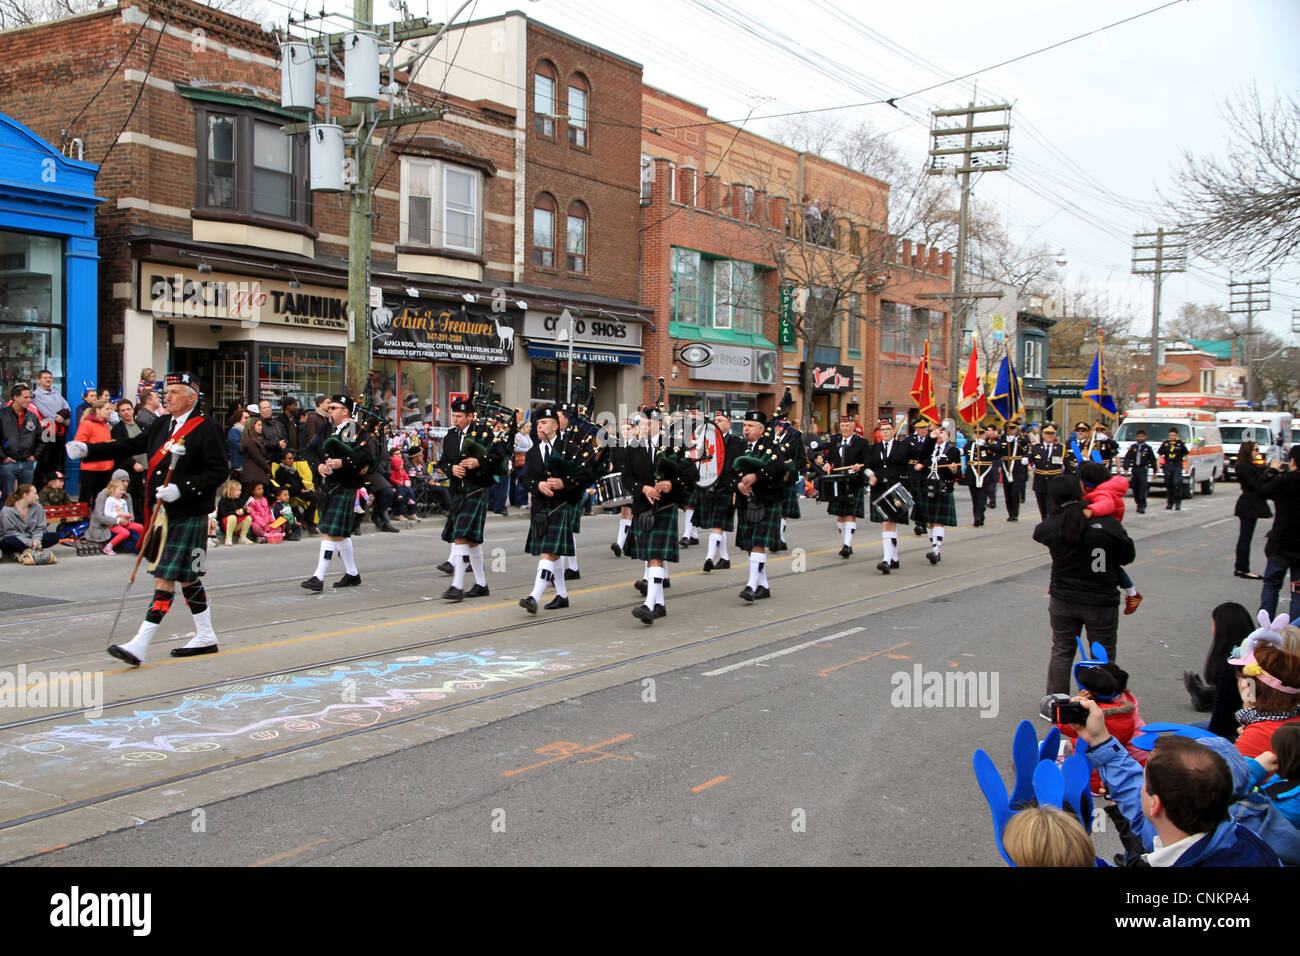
348 446
573 459
674 461
490 437
775 472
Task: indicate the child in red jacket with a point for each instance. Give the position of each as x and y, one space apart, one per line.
1107 684
1103 494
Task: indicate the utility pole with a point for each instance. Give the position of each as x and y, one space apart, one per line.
961 150
1155 254
1249 297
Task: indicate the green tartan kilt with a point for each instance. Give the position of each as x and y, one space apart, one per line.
849 506
716 511
184 553
336 514
657 544
941 509
696 502
577 518
790 506
764 533
467 523
558 537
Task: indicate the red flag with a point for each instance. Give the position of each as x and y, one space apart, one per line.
923 389
972 405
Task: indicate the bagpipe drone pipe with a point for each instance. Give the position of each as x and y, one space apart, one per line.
775 472
490 436
350 446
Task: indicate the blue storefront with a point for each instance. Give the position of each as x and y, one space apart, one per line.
49 263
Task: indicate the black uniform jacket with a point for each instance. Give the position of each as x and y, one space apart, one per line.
893 467
639 471
356 463
199 472
1139 455
536 471
1015 460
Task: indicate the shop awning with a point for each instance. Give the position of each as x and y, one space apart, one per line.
594 356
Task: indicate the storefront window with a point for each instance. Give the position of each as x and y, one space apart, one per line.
551 380
31 309
406 392
303 373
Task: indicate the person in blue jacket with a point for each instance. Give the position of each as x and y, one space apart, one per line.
1178 807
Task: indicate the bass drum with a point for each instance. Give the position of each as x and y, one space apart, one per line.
710 453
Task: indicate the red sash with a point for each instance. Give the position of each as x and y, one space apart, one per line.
163 451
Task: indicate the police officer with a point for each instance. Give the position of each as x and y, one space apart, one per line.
1105 446
1048 462
1014 454
1172 455
1080 449
982 470
1138 462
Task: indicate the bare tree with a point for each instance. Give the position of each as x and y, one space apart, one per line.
1245 208
1277 372
1200 322
20 13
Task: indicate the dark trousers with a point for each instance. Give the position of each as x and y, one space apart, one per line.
1101 624
1141 485
979 498
1043 505
1173 487
499 494
15 545
1014 494
1274 573
1244 537
991 488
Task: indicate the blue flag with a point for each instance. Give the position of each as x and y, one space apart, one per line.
1097 389
1006 401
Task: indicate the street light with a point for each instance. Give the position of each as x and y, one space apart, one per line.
566 334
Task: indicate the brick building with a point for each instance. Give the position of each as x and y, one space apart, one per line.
216 255
576 110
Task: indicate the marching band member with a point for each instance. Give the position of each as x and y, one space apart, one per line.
341 458
473 467
846 456
1080 449
889 461
793 449
567 415
940 509
558 475
1105 446
660 478
615 459
762 487
691 504
186 494
1014 454
919 446
982 472
1048 462
718 501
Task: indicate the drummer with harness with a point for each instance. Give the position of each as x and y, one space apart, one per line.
840 484
888 461
716 454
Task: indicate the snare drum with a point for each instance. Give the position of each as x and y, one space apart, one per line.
830 487
894 503
610 491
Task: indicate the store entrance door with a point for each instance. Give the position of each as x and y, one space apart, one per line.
222 372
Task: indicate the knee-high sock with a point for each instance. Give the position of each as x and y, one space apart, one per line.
893 546
545 574
885 538
162 602
848 528
723 553
326 555
571 561
624 526
561 589
938 539
654 592
715 540
459 562
762 575
756 562
197 600
345 552
690 531
782 530
476 564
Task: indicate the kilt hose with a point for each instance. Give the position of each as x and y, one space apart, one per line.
853 505
790 506
336 513
941 509
550 529
716 511
764 533
657 544
467 521
185 549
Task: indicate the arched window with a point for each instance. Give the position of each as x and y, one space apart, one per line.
575 245
544 230
579 95
544 100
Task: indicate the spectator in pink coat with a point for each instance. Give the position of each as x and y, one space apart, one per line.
259 509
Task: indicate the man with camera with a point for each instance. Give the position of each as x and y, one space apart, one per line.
1178 807
1281 485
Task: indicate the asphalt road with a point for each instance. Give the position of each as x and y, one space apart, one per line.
792 749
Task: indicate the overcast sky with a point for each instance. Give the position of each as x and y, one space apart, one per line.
1098 124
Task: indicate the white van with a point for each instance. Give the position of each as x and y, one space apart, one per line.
1271 431
1197 429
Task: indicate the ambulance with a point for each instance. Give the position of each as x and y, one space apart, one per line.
1271 431
1198 430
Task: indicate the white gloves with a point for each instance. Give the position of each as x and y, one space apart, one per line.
75 450
169 493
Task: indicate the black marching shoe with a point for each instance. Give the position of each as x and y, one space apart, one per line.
557 603
762 592
685 542
348 581
618 552
641 586
1249 574
708 565
979 523
455 595
846 551
643 614
722 564
661 611
194 651
918 530
313 584
478 590
933 557
893 565
667 583
122 654
1017 519
748 594
883 567
528 604
446 568
572 575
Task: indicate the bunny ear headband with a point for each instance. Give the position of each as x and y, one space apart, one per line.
1099 657
1267 633
1039 781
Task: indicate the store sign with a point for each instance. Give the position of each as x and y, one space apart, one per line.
728 363
832 378
441 332
1064 391
1173 374
787 315
168 292
589 329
